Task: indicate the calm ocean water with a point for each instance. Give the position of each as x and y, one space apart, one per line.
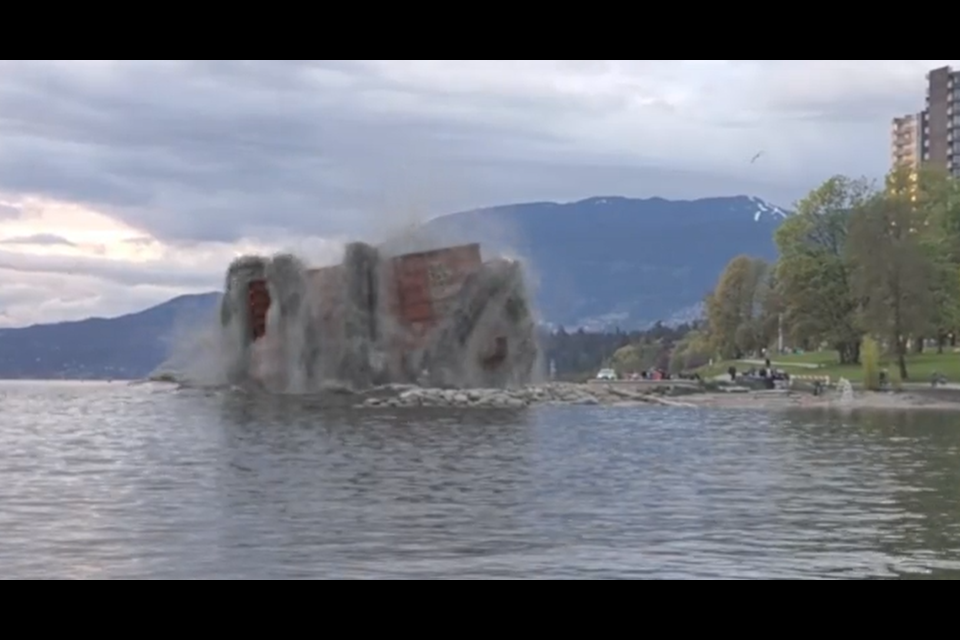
111 481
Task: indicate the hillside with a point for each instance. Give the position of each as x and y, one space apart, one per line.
599 262
606 261
127 347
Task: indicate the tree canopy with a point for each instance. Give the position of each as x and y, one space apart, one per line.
856 260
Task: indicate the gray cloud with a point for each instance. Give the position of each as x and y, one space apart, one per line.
30 298
211 150
847 92
139 242
164 150
160 274
40 239
201 151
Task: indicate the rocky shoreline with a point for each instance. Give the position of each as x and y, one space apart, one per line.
397 396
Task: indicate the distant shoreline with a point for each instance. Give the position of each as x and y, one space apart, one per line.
917 399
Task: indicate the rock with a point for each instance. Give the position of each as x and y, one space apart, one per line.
623 393
513 398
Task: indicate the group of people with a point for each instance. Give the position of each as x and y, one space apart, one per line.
767 373
651 374
660 374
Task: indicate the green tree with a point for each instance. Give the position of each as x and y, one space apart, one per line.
937 199
638 357
735 307
937 196
814 270
628 359
691 352
891 269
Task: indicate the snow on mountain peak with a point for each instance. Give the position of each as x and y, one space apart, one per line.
765 208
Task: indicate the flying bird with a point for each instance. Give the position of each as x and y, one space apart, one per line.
756 157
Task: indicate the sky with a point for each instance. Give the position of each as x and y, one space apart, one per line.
126 183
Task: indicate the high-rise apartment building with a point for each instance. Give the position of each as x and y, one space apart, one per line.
940 121
906 141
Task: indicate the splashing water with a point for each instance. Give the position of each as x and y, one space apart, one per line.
443 318
845 388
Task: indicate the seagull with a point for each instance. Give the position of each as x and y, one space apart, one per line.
756 157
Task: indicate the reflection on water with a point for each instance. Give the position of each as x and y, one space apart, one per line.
112 481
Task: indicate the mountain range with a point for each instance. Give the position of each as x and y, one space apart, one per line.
596 263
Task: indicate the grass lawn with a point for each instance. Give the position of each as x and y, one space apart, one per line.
919 367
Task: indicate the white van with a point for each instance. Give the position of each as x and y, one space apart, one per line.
607 374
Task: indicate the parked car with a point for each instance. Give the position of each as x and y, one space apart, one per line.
607 374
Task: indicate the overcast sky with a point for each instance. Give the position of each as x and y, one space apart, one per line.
123 184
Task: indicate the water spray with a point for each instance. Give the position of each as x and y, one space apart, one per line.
441 317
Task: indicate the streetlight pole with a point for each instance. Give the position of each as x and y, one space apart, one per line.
780 333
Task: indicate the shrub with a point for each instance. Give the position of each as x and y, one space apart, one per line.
870 357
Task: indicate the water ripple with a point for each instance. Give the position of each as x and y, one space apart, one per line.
105 481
